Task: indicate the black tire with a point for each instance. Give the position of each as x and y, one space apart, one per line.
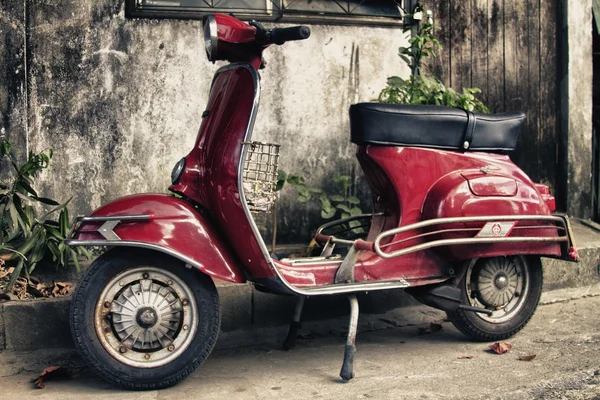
199 344
482 328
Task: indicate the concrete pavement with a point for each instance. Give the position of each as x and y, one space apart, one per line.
393 363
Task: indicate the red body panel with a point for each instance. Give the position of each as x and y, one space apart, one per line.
176 226
211 175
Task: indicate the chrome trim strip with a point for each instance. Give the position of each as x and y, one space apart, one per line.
298 261
132 243
137 217
353 287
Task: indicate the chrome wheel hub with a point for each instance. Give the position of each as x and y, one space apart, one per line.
499 284
145 317
496 282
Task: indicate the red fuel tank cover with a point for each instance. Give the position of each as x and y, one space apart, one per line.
491 185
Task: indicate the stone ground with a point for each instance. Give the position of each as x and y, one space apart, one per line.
393 363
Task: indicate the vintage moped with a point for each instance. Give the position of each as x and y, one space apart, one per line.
455 223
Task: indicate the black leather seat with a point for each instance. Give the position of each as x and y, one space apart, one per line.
434 127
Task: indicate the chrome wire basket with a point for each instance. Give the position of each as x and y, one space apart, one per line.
260 175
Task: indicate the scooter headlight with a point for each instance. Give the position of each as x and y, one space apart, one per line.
210 37
177 171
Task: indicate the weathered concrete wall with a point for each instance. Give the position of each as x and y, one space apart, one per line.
576 107
13 100
120 100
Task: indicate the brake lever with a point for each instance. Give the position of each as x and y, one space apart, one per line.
261 31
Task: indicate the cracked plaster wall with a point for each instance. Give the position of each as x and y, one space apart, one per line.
120 100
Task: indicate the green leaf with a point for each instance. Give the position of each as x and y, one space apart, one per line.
14 216
54 232
23 197
303 194
27 187
55 209
75 260
353 224
344 180
295 180
281 177
63 220
355 211
344 208
82 251
29 243
327 214
325 203
54 250
15 275
345 215
46 200
336 198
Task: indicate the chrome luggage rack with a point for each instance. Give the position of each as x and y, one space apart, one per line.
495 229
491 232
260 176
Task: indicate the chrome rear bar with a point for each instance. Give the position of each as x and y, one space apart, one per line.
561 223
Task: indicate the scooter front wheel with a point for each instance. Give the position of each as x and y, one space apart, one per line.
509 286
142 320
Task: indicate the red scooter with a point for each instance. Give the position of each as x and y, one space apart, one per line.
455 223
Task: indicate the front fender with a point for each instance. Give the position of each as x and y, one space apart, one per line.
163 223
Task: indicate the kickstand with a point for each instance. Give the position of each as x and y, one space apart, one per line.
347 371
290 340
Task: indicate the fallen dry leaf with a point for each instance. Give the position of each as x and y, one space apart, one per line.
465 357
51 372
433 327
501 347
527 358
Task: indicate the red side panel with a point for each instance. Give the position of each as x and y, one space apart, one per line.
176 226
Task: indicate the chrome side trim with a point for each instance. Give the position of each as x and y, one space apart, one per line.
137 217
353 287
311 261
132 243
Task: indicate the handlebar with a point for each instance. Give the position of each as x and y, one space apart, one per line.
281 35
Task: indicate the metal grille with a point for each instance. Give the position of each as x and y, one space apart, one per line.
260 175
345 11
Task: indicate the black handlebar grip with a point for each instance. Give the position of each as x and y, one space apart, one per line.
282 35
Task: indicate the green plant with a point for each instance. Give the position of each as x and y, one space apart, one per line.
25 236
339 203
419 89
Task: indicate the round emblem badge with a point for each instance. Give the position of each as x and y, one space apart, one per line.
496 229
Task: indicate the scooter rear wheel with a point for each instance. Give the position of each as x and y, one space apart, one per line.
142 320
509 286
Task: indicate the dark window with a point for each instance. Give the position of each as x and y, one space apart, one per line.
342 11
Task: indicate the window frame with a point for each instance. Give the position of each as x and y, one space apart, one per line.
132 10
